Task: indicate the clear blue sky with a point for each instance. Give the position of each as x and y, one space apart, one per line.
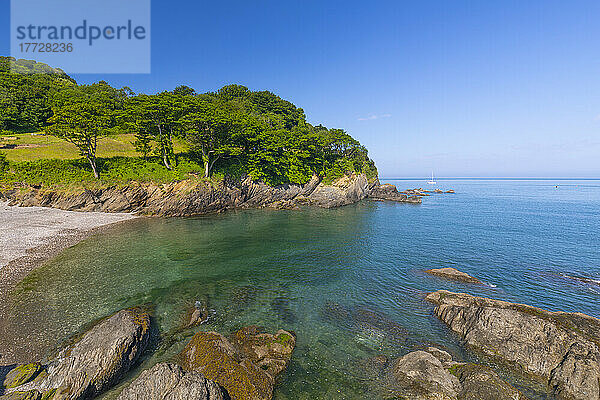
465 88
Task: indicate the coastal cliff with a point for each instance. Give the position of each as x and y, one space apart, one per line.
194 197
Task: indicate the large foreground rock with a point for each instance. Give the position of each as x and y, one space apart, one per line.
246 365
94 363
563 349
170 382
432 375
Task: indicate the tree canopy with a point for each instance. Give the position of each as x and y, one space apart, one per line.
261 133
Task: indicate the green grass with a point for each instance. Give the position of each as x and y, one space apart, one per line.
37 146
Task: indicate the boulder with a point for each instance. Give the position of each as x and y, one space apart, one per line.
562 349
22 374
433 375
421 376
95 362
246 365
453 274
170 382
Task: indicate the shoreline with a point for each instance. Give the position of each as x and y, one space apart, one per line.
32 236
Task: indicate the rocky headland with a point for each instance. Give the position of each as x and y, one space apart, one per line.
195 197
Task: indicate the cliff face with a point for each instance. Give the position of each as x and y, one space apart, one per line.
192 197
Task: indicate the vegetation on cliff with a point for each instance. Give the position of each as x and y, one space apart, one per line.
176 134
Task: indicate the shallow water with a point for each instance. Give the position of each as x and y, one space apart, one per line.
349 281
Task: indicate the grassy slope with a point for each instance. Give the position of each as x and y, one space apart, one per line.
31 147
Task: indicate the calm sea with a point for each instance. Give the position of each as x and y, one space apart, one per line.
349 281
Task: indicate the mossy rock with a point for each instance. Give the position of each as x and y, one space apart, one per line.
22 374
246 365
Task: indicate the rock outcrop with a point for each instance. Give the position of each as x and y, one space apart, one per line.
390 192
432 375
563 349
193 197
453 274
92 364
167 381
245 365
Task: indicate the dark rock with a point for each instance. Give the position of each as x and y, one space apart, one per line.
453 274
170 382
281 307
335 312
198 315
390 193
246 365
563 349
95 362
368 320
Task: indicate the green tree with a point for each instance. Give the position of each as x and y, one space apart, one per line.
84 114
213 130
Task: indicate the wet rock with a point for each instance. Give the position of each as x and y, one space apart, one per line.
170 382
453 274
421 376
563 349
22 374
479 382
281 307
438 191
95 362
390 192
450 191
198 315
246 365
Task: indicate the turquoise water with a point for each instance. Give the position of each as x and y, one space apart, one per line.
349 281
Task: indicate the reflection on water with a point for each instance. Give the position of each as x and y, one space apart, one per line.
348 281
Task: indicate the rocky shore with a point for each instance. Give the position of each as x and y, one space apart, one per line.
555 349
244 366
195 197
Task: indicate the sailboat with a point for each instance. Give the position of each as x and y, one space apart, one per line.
432 181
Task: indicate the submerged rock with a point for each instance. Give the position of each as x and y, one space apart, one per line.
170 382
453 274
95 362
479 382
563 349
281 307
246 365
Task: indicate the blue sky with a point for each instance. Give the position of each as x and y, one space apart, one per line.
463 88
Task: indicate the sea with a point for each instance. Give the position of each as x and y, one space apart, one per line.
349 281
